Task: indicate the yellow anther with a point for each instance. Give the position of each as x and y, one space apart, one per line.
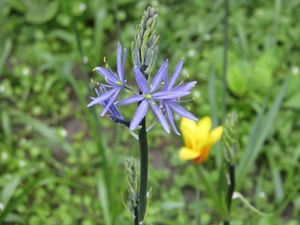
162 82
181 83
94 69
194 99
187 76
92 81
188 108
151 86
104 59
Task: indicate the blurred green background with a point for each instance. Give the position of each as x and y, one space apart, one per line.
61 163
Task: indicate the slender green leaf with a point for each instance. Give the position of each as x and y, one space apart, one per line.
47 132
9 189
277 181
17 199
6 126
4 53
259 133
103 199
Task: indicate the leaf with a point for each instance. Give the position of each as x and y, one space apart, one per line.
259 133
293 102
262 72
49 133
9 189
237 79
39 13
103 199
5 51
17 199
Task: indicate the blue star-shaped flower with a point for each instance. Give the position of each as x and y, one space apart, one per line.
114 113
169 105
149 96
115 82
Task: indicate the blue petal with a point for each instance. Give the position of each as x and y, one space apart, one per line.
171 119
139 114
166 95
163 70
175 74
132 99
102 98
120 62
112 99
141 80
110 78
186 87
180 110
160 116
113 110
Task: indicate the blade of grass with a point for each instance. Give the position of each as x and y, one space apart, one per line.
17 199
103 198
277 181
96 131
6 126
259 133
9 189
211 191
214 109
13 218
6 50
47 132
225 54
100 16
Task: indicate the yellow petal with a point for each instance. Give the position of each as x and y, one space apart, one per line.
187 153
188 128
203 129
215 135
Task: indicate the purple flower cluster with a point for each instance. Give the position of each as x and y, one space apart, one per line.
162 95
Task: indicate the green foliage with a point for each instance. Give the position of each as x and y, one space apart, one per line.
61 163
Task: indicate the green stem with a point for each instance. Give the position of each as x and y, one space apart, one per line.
224 95
94 121
197 217
231 185
143 170
136 214
230 190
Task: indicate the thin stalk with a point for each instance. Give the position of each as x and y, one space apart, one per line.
225 43
143 165
230 190
143 169
95 123
117 22
136 214
197 217
231 185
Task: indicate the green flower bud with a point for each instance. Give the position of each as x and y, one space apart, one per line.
132 183
144 47
230 138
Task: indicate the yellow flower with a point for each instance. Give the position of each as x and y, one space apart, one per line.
198 139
